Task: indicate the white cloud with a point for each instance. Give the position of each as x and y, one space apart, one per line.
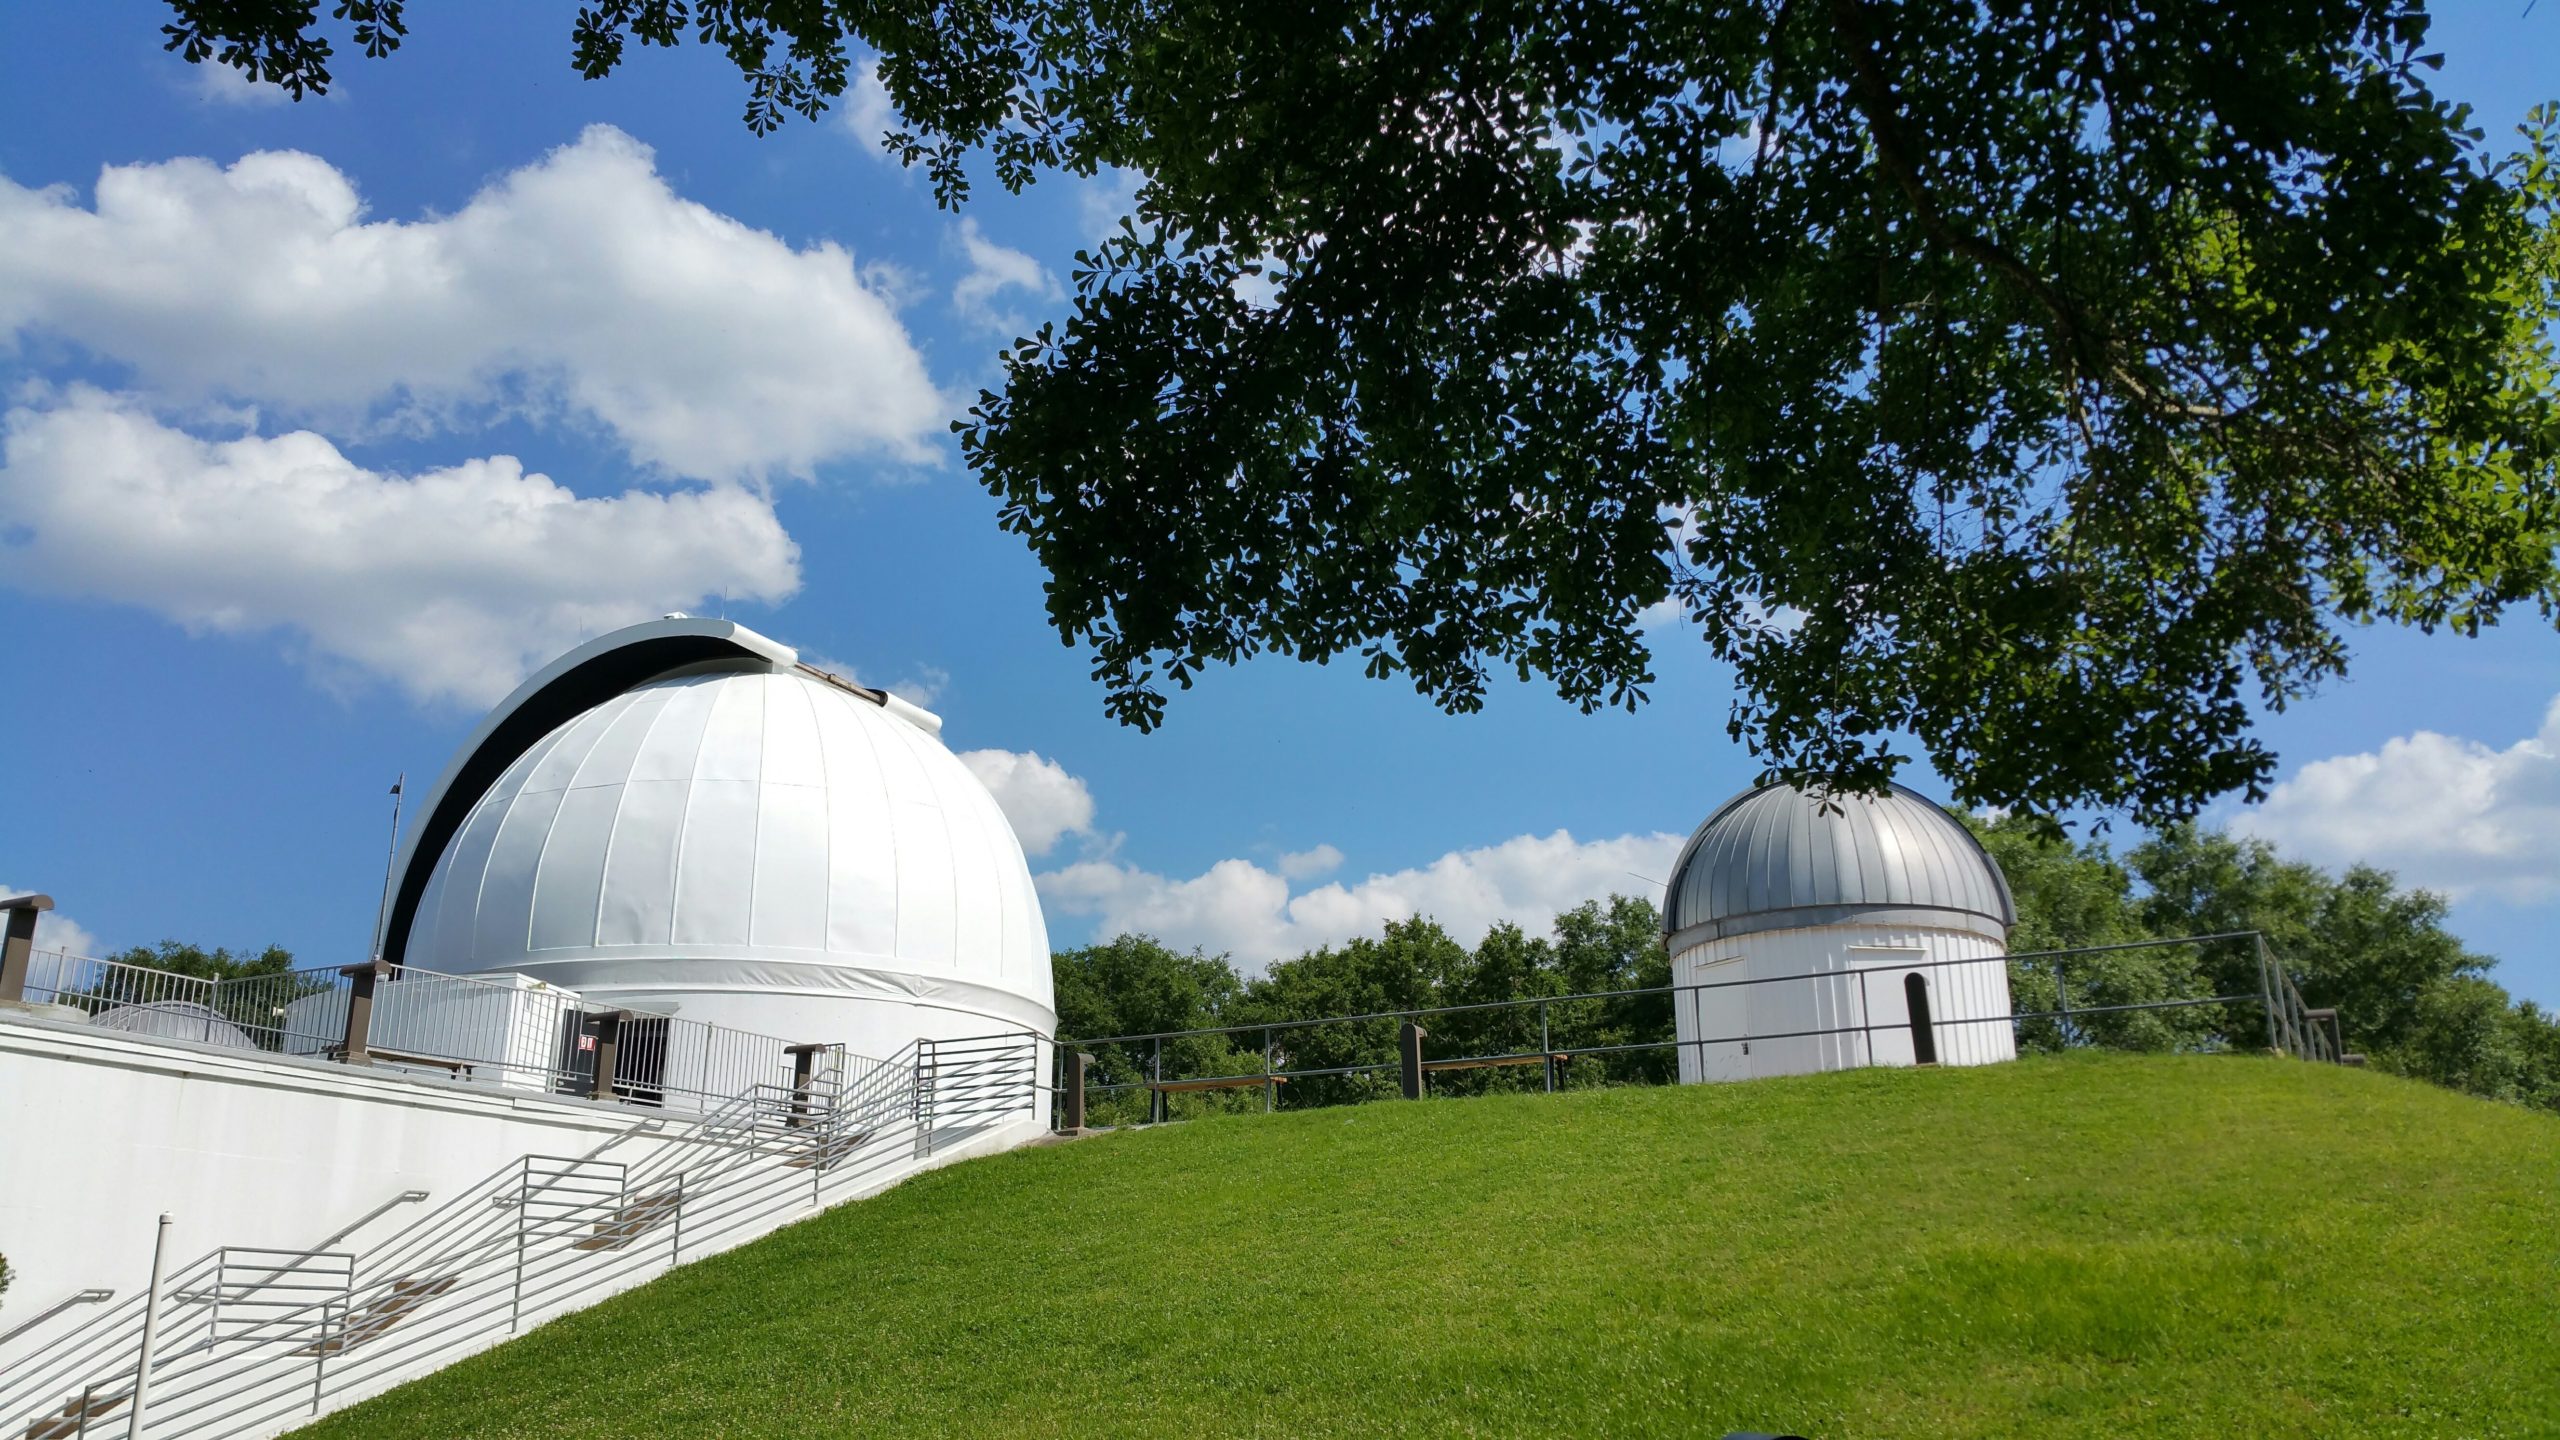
993 270
1105 198
453 583
219 84
1240 908
869 115
57 931
1044 802
1308 864
579 286
2450 814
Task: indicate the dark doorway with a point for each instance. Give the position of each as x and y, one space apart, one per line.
1924 1036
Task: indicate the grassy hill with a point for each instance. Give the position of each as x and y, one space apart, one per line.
2097 1245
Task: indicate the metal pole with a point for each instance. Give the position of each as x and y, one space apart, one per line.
382 912
1270 1092
2266 992
1157 1106
150 1332
2062 995
1546 1048
1866 1019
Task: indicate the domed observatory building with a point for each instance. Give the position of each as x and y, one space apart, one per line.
1894 911
680 817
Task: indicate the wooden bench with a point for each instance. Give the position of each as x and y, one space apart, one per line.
1490 1061
459 1068
1228 1082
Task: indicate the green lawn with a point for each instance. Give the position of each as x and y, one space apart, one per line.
2097 1245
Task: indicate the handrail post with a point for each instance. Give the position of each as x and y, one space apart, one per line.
355 1049
2266 990
17 949
804 1064
608 1052
1071 1107
150 1335
1409 1058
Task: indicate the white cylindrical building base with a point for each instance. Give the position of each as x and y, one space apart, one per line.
1793 1002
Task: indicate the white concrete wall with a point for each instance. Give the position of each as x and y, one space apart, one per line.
1732 1031
100 1133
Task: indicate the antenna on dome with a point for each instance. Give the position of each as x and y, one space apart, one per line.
383 911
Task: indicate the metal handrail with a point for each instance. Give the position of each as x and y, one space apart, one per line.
84 1297
1673 989
469 1267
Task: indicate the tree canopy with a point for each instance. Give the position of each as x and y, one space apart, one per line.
2055 384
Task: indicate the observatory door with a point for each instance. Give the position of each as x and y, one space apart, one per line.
1924 1035
640 1060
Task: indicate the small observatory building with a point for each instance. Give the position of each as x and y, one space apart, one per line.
1827 934
683 819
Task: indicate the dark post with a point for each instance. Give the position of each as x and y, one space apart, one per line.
355 1049
18 949
1071 1094
804 1064
1409 1052
608 1046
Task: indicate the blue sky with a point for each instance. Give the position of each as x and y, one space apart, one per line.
327 421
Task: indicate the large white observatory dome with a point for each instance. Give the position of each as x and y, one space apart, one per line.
682 818
1814 933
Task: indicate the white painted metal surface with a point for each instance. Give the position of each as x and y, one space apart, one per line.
749 845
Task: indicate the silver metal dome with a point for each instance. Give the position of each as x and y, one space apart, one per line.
1774 858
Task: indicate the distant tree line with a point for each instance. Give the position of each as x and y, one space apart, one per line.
2410 995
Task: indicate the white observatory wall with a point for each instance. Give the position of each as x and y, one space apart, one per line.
1736 1031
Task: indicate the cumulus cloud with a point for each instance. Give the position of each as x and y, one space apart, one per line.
580 286
1044 802
1257 916
869 115
1105 198
218 84
2451 814
57 931
452 583
1308 864
994 270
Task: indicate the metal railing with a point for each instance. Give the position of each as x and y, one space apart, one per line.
94 987
1665 1032
251 1340
496 1029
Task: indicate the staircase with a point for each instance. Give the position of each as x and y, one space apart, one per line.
252 1342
